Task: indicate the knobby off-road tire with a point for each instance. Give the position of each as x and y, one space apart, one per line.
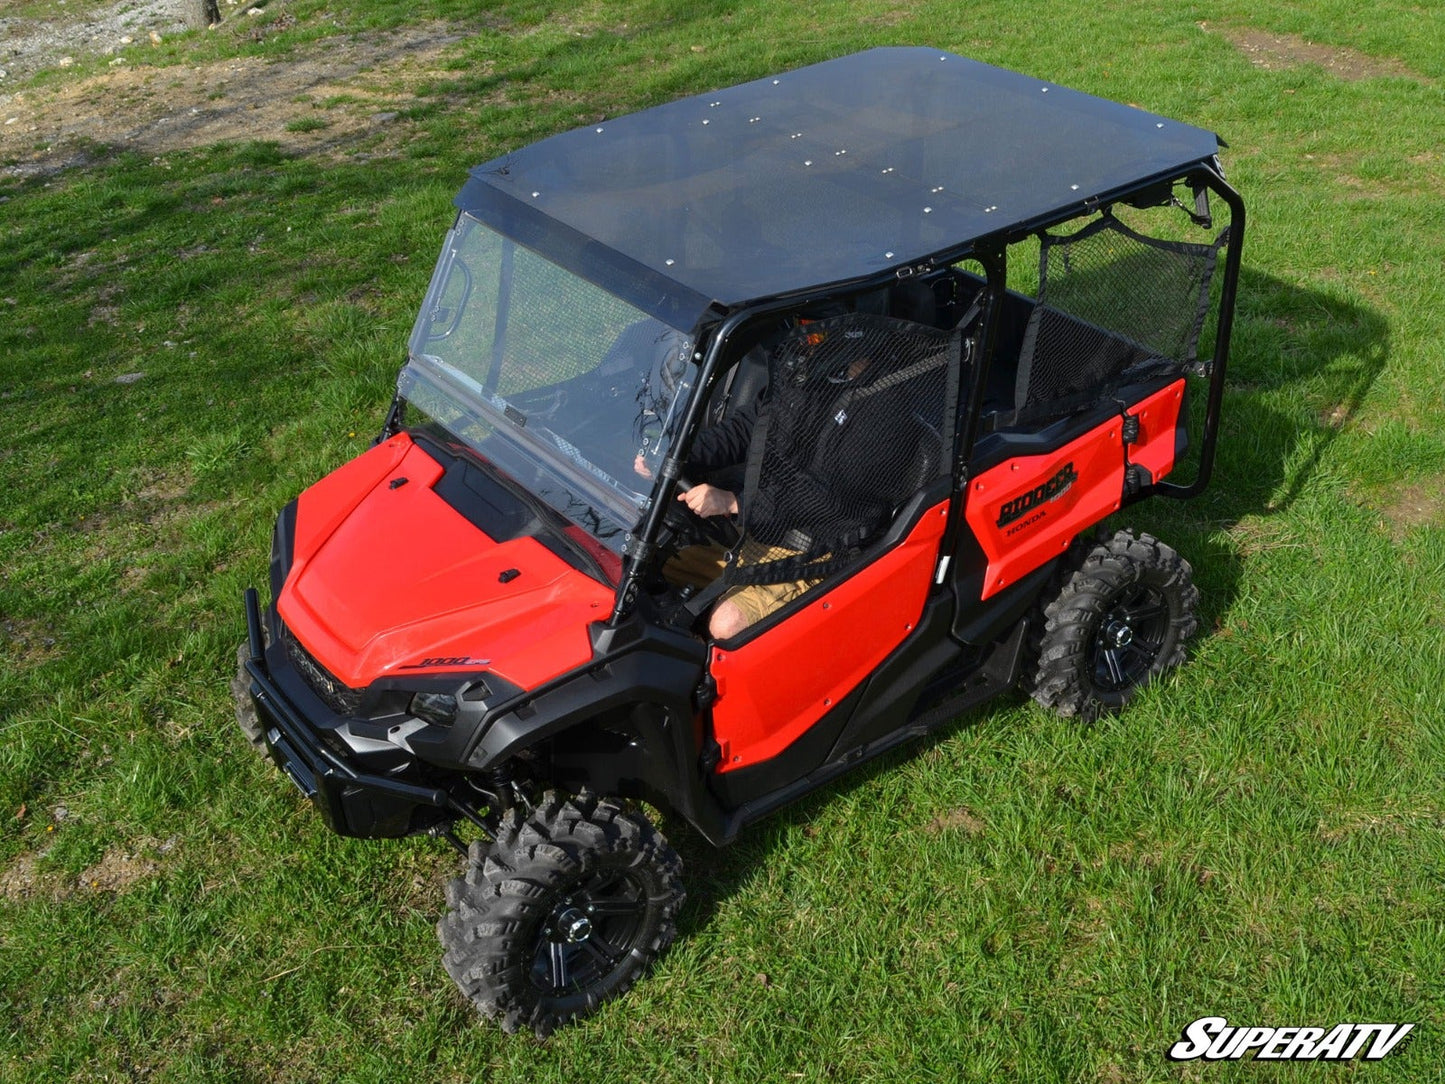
1120 619
246 717
563 912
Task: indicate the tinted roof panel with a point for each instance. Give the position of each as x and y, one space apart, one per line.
824 174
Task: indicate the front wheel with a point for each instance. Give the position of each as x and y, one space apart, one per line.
562 912
1121 618
246 717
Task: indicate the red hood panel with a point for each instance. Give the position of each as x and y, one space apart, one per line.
384 578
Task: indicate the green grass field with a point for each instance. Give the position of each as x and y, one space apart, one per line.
1259 837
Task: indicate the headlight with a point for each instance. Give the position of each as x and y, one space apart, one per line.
437 708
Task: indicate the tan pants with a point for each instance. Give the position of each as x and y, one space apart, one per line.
698 566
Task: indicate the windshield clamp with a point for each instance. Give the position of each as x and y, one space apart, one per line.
395 419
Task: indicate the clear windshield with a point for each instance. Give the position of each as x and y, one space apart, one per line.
568 389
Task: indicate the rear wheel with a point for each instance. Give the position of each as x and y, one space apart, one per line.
1120 619
563 912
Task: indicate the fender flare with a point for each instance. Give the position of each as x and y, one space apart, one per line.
625 724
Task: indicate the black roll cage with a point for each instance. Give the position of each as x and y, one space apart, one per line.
990 252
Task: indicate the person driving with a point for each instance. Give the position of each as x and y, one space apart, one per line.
813 470
718 453
746 604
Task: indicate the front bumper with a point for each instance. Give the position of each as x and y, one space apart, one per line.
352 800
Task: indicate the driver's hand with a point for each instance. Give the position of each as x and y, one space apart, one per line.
640 466
706 501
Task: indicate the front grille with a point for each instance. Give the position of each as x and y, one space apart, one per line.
338 696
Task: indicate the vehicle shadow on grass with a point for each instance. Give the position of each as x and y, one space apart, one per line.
1302 363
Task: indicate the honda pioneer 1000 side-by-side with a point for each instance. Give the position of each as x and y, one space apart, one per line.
740 440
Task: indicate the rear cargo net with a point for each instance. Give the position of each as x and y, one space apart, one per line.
859 418
1114 308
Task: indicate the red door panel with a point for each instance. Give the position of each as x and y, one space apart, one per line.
1027 510
773 688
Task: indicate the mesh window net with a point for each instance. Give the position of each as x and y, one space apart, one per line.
859 418
1114 308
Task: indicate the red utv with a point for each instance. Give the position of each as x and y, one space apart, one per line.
947 317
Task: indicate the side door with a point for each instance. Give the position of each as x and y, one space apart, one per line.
846 491
772 689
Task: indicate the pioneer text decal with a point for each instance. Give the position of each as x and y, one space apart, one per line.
1054 488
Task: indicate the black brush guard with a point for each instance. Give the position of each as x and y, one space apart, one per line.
352 801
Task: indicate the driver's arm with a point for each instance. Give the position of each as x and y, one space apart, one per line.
723 444
717 446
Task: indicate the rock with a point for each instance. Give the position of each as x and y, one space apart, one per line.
128 378
66 62
126 39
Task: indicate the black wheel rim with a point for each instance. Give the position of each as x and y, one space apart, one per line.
588 933
1130 638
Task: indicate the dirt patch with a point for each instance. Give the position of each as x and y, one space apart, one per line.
119 869
1419 505
21 880
893 16
961 819
1280 52
414 889
1336 829
26 643
325 97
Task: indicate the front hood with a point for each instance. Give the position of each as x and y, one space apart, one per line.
388 579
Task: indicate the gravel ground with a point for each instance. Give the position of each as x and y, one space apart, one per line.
31 45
